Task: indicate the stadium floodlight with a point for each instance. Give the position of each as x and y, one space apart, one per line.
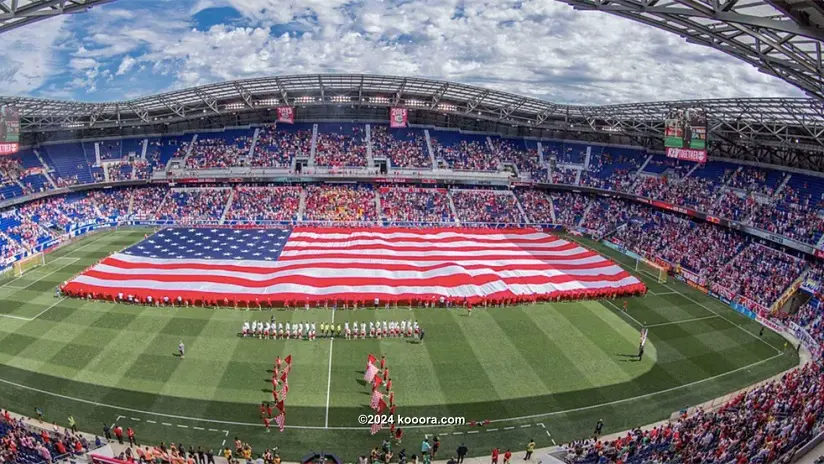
18 13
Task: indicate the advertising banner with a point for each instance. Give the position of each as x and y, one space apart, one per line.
286 114
398 117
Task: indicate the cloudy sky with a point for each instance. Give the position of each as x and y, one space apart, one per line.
539 48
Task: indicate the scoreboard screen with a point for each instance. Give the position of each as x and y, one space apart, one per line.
685 134
9 130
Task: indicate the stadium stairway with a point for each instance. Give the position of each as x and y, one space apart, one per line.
452 208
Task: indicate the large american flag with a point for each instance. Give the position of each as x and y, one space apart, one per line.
306 263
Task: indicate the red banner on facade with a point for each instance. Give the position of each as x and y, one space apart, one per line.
9 148
286 114
398 117
687 154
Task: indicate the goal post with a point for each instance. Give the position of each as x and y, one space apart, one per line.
28 263
652 269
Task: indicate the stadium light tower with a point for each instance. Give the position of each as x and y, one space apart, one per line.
782 38
18 13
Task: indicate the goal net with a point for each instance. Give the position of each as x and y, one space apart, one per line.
654 270
28 263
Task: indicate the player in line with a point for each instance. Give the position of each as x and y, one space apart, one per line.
308 330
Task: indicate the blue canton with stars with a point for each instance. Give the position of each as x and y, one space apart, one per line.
213 244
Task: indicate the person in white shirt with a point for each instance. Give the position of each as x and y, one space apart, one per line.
245 328
312 332
363 330
347 331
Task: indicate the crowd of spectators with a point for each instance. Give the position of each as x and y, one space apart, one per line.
751 180
147 202
194 205
537 205
562 175
112 203
121 170
210 153
466 156
252 203
409 151
607 214
402 204
486 206
757 426
21 443
526 160
570 208
340 203
341 150
276 148
759 273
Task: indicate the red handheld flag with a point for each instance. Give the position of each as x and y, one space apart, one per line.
281 421
381 406
377 398
371 359
288 360
376 427
371 371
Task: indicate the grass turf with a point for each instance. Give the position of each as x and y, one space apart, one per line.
545 371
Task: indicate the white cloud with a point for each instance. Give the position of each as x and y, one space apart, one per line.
126 65
531 47
82 63
27 56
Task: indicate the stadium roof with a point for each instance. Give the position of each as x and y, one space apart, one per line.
782 38
18 13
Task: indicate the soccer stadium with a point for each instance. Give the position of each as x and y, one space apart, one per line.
409 266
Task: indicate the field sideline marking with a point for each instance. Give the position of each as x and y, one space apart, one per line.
6 285
722 317
684 321
29 319
104 234
625 313
703 306
329 373
74 260
312 427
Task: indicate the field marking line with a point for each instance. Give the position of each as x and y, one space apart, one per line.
312 427
198 428
43 276
684 321
625 313
662 293
135 419
491 430
722 317
510 428
471 431
166 424
329 374
526 425
223 444
183 426
104 234
151 421
457 433
214 430
29 319
703 306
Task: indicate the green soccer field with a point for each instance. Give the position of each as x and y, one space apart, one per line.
546 371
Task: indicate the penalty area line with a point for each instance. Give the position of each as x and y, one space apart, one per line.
310 427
